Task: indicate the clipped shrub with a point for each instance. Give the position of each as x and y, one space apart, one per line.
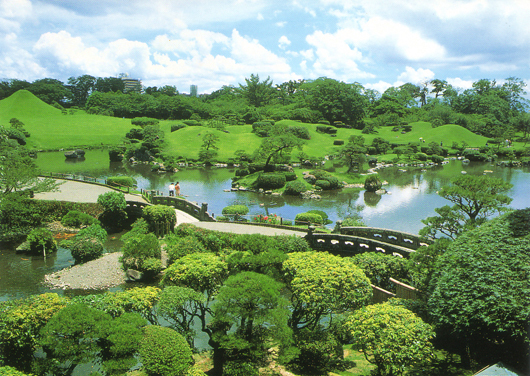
271 180
242 172
143 121
191 123
294 188
124 181
159 214
238 368
437 158
15 134
181 247
326 129
165 352
75 218
320 351
114 217
291 243
308 218
372 183
372 150
323 184
262 128
176 127
324 175
86 249
142 252
235 210
290 176
421 156
135 134
323 214
41 239
299 131
93 231
116 153
338 142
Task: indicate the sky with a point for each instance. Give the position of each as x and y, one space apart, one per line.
212 43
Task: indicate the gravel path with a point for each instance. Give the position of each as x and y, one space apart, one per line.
99 274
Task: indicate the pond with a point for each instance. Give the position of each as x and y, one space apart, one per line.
412 198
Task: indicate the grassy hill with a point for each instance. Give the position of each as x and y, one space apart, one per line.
50 129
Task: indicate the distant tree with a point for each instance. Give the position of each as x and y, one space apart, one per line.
109 84
50 90
209 140
81 87
354 153
438 86
278 146
391 337
257 93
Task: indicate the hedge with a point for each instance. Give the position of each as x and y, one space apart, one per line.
76 218
271 180
143 121
159 214
86 249
338 142
176 127
125 181
294 188
235 210
191 123
323 184
308 218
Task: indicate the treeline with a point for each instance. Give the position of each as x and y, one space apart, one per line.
488 108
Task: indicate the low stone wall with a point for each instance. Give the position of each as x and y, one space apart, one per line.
387 236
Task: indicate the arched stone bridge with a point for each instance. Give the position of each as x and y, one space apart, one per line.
355 240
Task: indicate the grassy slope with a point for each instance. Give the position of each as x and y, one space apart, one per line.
51 130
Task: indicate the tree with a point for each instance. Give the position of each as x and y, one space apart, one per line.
257 93
322 284
109 84
81 88
209 140
252 304
480 291
391 337
114 216
477 196
278 145
438 86
354 153
50 91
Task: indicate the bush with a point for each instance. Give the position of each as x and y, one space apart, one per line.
116 153
242 172
86 249
294 188
308 218
192 123
379 268
180 247
437 158
75 218
299 131
324 175
93 231
235 210
290 176
154 214
291 243
10 371
176 127
325 218
237 368
323 184
421 156
320 351
125 181
338 142
326 129
114 217
41 239
142 252
262 128
372 183
15 134
164 352
135 134
271 180
143 121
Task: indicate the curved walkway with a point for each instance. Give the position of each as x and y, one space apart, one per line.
76 191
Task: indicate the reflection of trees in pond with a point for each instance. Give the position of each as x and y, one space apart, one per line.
74 160
371 198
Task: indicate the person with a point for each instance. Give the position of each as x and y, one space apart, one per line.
177 189
172 189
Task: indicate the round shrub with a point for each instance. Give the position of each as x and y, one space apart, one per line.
421 156
294 188
41 239
86 249
75 218
308 218
437 158
93 231
290 176
191 123
137 251
176 127
143 121
184 246
235 210
125 181
338 142
154 214
325 218
237 368
323 184
291 243
164 352
372 183
299 131
271 180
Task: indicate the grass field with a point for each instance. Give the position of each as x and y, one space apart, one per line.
50 129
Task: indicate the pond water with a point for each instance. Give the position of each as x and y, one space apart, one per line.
412 198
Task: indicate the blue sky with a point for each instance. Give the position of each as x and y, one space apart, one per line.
211 43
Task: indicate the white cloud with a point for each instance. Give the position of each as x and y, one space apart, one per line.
459 83
380 86
414 76
283 42
281 23
260 17
15 8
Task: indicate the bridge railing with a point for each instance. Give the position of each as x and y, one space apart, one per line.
388 236
192 208
348 245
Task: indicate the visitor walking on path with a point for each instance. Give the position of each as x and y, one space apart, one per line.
172 189
177 189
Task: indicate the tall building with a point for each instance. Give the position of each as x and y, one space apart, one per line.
193 90
131 84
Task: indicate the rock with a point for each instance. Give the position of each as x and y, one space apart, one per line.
24 247
311 179
380 192
70 154
134 275
80 152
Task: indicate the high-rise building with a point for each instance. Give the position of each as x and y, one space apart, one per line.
193 90
131 84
